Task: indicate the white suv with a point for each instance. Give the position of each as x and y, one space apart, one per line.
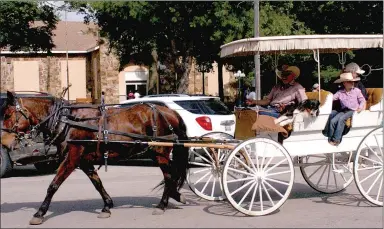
201 114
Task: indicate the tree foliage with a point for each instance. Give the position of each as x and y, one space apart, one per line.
17 30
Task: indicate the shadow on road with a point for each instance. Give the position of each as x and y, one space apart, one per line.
348 200
91 206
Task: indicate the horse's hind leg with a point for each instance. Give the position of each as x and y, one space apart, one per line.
170 186
90 171
65 169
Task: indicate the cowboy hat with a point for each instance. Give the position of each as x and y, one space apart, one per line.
295 70
346 77
353 67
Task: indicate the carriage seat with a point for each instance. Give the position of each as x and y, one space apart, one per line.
326 99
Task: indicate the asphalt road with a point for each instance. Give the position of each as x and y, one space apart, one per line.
77 204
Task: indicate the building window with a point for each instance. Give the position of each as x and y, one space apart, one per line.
136 81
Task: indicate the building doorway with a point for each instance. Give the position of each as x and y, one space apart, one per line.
141 87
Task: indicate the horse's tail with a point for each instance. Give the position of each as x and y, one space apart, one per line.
180 156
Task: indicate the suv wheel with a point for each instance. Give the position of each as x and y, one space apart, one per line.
5 162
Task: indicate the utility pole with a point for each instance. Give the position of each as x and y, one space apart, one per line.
257 56
66 46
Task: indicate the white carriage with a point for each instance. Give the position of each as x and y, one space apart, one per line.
256 175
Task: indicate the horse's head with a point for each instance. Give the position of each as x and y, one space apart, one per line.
15 118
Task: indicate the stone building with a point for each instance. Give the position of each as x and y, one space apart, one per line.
91 69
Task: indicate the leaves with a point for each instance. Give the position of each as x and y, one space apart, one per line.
18 31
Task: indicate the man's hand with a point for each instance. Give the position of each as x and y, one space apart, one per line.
249 101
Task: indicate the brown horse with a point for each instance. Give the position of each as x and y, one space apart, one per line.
89 123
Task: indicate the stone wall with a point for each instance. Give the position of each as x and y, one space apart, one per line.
6 71
49 71
109 74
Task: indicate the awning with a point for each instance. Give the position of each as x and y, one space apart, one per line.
300 44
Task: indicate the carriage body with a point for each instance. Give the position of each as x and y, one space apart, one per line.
259 160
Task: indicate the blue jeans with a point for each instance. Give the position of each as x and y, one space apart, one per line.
270 111
336 124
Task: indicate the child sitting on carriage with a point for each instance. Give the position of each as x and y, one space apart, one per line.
351 100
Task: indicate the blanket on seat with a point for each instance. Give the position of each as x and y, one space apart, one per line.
249 123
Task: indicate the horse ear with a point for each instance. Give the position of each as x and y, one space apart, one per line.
10 98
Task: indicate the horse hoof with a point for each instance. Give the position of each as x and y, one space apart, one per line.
158 211
104 215
183 199
36 221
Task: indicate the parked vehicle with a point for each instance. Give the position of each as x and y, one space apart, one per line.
29 150
201 114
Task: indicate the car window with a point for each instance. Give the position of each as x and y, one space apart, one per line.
205 106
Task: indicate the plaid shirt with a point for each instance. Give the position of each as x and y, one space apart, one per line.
283 97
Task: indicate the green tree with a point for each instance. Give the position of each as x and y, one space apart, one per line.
19 33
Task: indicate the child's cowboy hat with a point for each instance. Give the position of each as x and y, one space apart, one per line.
292 69
346 77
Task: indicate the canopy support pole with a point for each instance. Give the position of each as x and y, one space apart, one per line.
316 56
257 56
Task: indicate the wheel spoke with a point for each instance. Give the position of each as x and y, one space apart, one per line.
201 170
266 165
246 194
329 173
213 186
242 179
209 155
321 177
266 192
378 145
206 183
261 198
374 182
374 152
250 158
239 171
285 159
334 177
379 192
278 173
274 189
276 181
371 160
373 167
246 166
200 164
370 175
253 197
245 185
201 178
315 172
204 159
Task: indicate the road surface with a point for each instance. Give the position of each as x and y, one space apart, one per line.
77 204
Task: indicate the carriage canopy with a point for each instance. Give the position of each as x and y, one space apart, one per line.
300 44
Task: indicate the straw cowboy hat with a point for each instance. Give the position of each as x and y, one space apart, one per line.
346 77
295 70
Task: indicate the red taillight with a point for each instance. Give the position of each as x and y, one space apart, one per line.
204 122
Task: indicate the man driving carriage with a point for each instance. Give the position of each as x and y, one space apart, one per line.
286 92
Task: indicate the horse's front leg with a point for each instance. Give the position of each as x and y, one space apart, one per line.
66 167
90 171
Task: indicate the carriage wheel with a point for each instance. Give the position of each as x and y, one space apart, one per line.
204 174
320 173
268 179
368 167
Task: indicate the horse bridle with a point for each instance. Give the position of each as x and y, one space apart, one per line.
19 108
